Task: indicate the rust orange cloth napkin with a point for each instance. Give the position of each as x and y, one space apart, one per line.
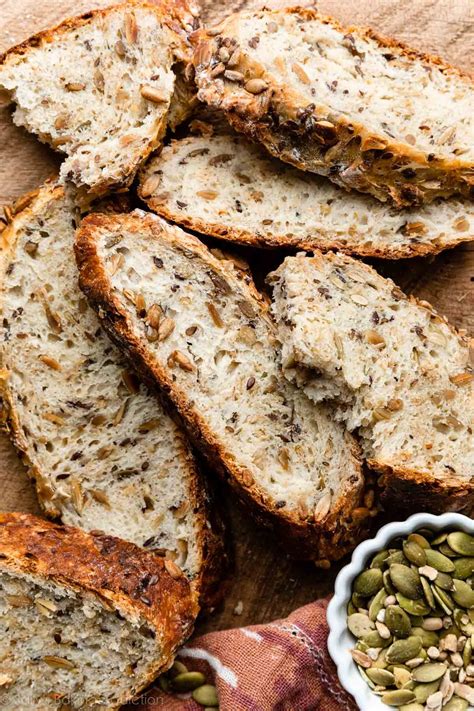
279 666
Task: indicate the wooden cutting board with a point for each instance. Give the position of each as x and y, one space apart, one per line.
266 581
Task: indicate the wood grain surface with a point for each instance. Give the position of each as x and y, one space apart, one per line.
266 581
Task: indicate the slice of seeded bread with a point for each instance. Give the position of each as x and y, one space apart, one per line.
227 187
86 621
98 88
104 453
366 111
204 336
401 374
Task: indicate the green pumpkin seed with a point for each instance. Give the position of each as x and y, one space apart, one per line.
416 620
387 583
463 568
359 624
413 607
439 539
397 621
463 594
419 539
378 559
461 543
443 599
397 557
423 691
460 615
428 593
402 677
177 668
429 672
366 678
444 581
164 683
406 581
382 677
375 640
428 638
351 608
380 662
412 707
188 681
447 551
206 695
369 582
415 553
357 600
467 653
403 649
377 604
439 561
456 704
398 697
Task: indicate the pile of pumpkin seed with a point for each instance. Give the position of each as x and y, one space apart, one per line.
178 679
412 612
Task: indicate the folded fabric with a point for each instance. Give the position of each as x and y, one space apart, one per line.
279 666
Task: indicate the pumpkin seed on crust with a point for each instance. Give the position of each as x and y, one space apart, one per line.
463 568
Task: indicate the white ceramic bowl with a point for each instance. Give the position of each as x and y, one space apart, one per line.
340 640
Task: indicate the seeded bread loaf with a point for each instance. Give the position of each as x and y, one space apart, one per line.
86 620
211 349
401 375
227 187
98 88
104 453
363 110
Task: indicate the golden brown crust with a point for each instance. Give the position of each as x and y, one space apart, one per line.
212 534
121 575
311 138
410 490
284 241
162 9
328 539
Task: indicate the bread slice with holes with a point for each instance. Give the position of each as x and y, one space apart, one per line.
104 452
205 338
401 376
227 187
99 88
366 111
86 620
